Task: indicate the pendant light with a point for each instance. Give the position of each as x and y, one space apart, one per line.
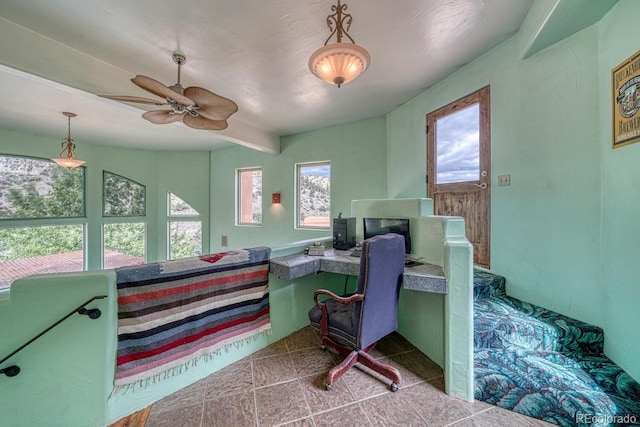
339 63
71 159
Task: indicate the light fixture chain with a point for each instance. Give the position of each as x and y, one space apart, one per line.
339 19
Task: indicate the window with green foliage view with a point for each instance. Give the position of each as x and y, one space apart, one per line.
122 196
36 189
124 244
37 198
185 233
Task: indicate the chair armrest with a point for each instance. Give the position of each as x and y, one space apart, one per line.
342 300
324 321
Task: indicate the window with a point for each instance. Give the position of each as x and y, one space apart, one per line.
458 146
185 235
122 196
40 189
185 239
313 199
249 196
37 200
124 244
178 207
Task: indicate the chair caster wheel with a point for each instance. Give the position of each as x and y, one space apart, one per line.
394 387
327 386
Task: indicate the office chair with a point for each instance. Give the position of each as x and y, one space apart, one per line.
353 324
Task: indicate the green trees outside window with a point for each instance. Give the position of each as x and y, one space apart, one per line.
122 196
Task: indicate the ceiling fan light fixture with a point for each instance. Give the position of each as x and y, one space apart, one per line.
339 63
70 159
196 107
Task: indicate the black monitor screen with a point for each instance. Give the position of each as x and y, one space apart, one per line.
376 226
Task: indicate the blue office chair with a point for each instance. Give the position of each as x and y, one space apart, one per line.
353 324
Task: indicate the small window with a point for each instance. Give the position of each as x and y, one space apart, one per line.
34 188
313 200
249 195
124 244
185 239
122 196
185 234
178 207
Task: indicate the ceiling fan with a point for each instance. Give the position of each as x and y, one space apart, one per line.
196 107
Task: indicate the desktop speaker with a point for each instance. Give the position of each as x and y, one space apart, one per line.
344 233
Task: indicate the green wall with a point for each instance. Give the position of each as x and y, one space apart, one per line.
358 171
620 200
563 232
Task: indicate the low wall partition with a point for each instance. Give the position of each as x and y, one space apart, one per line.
77 373
154 329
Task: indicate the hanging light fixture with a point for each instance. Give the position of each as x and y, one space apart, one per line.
339 63
71 159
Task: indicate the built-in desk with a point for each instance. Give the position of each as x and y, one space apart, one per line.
424 277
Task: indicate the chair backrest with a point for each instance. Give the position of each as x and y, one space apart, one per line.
381 268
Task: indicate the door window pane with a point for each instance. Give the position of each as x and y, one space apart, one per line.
124 244
314 195
25 251
458 146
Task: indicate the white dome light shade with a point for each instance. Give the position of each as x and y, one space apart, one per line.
339 63
69 163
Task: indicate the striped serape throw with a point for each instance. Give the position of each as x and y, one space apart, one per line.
172 314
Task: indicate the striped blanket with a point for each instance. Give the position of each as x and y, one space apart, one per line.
172 314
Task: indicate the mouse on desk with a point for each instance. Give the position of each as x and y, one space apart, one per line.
408 262
357 250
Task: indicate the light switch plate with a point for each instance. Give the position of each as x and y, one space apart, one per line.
504 180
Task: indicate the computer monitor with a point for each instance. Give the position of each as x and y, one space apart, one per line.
377 226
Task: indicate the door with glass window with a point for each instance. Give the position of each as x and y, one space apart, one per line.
459 167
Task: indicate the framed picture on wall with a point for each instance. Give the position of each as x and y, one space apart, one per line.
625 79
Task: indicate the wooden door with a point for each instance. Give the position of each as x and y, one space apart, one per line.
459 167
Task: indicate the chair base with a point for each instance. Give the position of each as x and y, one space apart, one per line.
359 356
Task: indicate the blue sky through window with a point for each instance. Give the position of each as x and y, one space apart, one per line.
318 170
458 146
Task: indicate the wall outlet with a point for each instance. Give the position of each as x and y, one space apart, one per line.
224 241
504 180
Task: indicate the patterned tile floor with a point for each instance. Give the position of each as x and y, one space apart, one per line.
282 385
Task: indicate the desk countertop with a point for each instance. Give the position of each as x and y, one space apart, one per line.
423 277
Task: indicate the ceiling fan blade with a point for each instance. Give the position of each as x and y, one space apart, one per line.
211 106
200 122
135 99
161 117
157 88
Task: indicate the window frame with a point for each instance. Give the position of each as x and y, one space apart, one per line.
297 220
238 196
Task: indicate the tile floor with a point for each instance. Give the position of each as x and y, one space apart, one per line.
282 385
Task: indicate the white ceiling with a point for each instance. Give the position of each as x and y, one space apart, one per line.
58 54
